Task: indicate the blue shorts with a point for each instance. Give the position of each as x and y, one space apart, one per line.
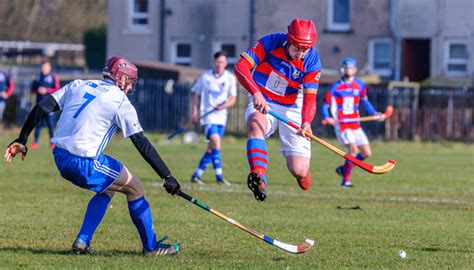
214 129
94 174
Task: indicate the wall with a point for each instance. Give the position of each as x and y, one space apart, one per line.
122 40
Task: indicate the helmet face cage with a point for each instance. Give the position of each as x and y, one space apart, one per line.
116 67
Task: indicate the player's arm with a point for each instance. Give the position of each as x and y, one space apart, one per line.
149 153
327 119
56 84
368 106
195 108
310 91
251 58
38 112
11 86
229 103
309 105
232 97
243 72
364 100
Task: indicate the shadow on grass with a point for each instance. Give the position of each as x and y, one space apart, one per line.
349 207
68 252
437 249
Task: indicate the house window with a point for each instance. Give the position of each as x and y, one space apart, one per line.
230 49
139 14
182 53
339 15
380 56
456 57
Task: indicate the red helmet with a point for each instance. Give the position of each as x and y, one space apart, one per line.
116 66
302 33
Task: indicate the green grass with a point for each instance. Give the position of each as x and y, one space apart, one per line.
425 207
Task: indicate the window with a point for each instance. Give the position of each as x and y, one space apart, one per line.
339 15
182 53
380 56
139 14
230 49
456 57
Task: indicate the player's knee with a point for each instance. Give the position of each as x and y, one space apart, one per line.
255 129
367 154
109 193
135 188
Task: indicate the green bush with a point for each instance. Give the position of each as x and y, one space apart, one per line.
95 43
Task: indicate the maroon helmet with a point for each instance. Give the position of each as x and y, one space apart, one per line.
302 33
116 66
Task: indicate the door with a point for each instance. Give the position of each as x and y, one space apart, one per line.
416 59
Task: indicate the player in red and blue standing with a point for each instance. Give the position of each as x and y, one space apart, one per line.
281 73
44 84
6 89
343 99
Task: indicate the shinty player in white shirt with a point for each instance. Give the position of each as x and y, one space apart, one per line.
214 92
92 110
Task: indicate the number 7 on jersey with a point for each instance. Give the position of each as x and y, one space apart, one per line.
89 99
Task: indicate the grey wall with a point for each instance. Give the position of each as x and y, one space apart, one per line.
122 40
204 22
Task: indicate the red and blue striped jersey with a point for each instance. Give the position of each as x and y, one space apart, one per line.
281 79
344 100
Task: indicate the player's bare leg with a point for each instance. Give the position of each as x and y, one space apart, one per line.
299 168
365 151
128 184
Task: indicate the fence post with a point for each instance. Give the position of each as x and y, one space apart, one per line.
414 114
449 127
414 104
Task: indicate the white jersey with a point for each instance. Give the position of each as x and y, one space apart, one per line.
214 91
92 111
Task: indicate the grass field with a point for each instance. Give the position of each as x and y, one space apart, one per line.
425 207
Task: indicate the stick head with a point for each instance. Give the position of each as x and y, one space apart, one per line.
308 243
388 112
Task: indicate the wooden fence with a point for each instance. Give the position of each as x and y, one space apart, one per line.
427 114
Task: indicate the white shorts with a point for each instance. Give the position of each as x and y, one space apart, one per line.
348 136
291 144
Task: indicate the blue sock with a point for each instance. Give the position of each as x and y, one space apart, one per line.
205 160
360 157
257 157
141 216
216 161
37 131
95 212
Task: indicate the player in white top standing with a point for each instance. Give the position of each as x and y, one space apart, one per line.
214 92
92 111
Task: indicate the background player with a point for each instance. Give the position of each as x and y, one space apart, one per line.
344 98
6 89
215 89
92 111
43 85
281 72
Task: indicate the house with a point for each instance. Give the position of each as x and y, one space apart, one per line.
393 38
